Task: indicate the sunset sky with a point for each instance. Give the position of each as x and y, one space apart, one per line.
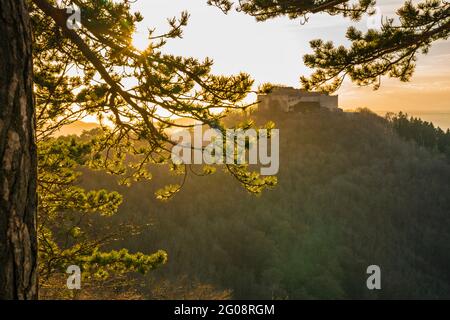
272 52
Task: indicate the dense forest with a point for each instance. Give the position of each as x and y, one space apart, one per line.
424 133
354 190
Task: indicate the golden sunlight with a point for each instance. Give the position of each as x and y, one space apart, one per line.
140 41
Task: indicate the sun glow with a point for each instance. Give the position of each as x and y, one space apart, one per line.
140 41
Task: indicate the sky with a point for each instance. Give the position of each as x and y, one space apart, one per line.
272 51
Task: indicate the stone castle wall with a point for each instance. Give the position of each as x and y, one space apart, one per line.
288 98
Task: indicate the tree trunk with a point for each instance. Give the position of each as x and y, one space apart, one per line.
18 170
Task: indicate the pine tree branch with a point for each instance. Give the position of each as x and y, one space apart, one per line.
60 18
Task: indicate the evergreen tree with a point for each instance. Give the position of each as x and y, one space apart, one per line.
390 51
18 245
94 70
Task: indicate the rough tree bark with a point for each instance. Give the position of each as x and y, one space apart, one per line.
18 171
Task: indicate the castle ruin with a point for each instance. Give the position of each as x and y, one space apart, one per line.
289 99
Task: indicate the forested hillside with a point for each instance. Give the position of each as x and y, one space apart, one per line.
351 193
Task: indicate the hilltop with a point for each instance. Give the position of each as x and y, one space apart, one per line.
351 193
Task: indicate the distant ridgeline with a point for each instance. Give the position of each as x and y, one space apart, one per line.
289 99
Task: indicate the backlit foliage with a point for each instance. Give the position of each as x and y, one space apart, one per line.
135 95
390 51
